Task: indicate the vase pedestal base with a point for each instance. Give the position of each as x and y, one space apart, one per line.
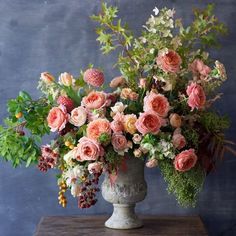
124 217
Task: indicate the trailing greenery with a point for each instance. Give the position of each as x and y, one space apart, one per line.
184 185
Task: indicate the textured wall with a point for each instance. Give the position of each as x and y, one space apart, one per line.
58 36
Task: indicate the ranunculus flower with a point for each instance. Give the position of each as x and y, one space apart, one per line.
78 116
94 77
152 163
196 96
185 160
117 81
47 77
178 141
98 127
119 143
95 100
57 118
129 123
157 103
199 68
149 122
95 167
89 150
66 79
169 61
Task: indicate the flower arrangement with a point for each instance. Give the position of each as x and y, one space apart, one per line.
159 109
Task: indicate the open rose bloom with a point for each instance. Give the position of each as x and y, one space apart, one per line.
96 129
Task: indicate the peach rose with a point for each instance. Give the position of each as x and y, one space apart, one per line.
78 116
117 82
152 163
119 142
149 122
125 93
129 123
66 79
185 160
138 152
47 77
157 103
95 167
98 127
175 120
196 96
169 61
89 150
199 68
57 118
95 100
178 141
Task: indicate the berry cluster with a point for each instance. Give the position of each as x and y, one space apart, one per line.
89 189
61 195
47 159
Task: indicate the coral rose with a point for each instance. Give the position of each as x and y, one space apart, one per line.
66 79
95 100
94 77
169 61
57 118
95 167
98 127
47 77
157 103
119 143
178 141
129 123
149 122
185 160
199 68
89 150
196 96
78 116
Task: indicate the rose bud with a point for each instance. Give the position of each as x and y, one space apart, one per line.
47 77
175 120
117 82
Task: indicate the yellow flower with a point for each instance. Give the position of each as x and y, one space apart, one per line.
129 123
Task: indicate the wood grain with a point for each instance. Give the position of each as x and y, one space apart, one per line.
94 225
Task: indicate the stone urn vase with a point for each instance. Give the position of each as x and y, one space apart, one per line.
129 188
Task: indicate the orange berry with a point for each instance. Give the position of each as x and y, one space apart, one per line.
19 115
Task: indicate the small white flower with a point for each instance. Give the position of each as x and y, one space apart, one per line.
156 11
152 50
118 107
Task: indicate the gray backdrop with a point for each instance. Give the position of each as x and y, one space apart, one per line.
58 36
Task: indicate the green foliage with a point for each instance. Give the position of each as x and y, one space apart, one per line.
104 139
192 137
16 148
185 185
213 122
112 159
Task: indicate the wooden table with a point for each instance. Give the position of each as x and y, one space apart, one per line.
94 226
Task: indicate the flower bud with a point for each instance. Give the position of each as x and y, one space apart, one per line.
66 79
47 77
175 120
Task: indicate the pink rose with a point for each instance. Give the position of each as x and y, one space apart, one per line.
95 167
149 122
94 77
78 116
199 68
117 126
157 103
169 61
119 142
178 141
57 118
89 150
152 163
185 160
137 138
98 127
196 96
95 100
